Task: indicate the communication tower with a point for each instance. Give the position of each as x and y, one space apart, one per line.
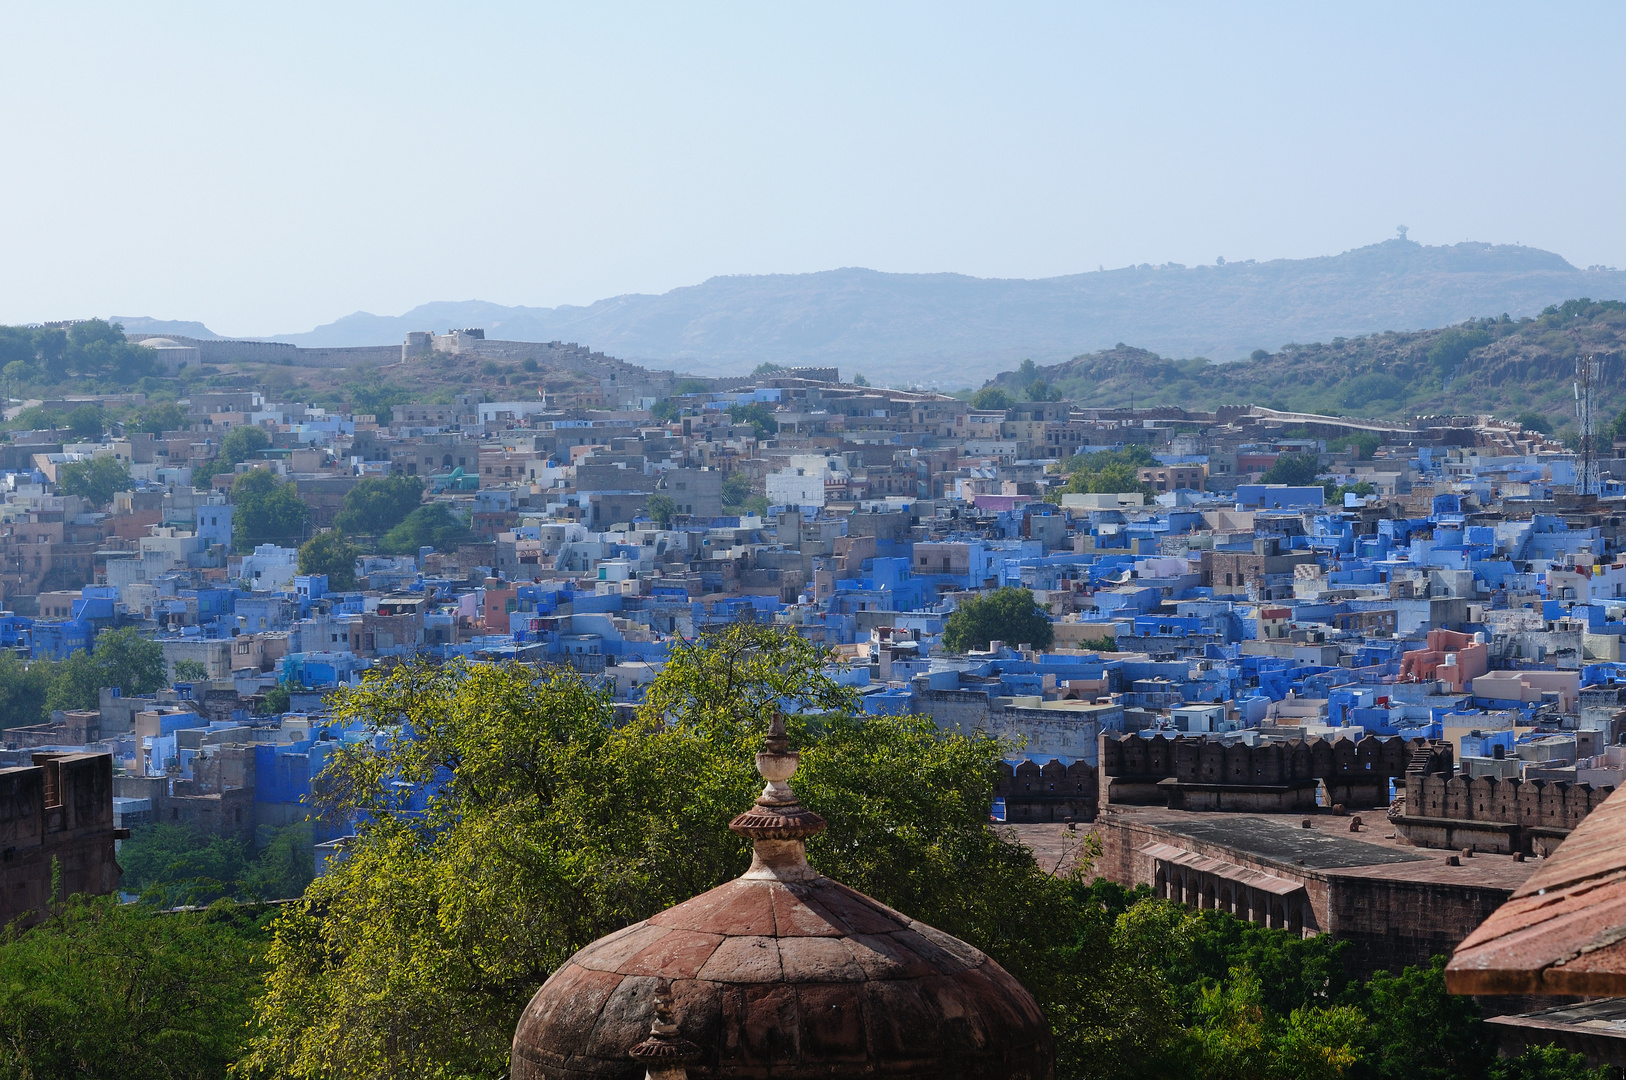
1586 377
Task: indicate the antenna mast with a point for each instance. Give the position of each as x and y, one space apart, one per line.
1586 374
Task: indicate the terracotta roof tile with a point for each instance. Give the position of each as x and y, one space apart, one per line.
1562 930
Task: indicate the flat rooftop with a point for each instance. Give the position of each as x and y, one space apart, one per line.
1326 849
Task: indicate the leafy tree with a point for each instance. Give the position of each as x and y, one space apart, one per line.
189 671
991 398
661 508
104 989
18 372
121 658
736 488
17 345
331 554
690 386
1040 390
1027 373
51 346
377 504
665 410
87 422
277 701
548 824
1295 470
23 690
129 661
1422 1032
76 683
36 418
177 864
1258 355
859 380
1534 421
756 504
162 416
1008 614
768 368
1104 643
96 480
428 526
1108 471
1452 347
1546 1063
242 443
757 415
267 511
377 397
1365 443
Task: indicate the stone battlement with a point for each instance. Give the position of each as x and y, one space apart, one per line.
1492 814
1199 772
58 810
1049 792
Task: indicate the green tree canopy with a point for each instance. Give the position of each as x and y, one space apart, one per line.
331 554
161 416
23 690
96 480
991 398
1040 390
661 509
87 422
377 504
122 990
267 511
1008 614
758 415
176 864
665 410
121 658
432 525
1295 470
189 671
550 824
736 488
242 443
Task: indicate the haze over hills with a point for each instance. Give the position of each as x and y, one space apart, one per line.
955 330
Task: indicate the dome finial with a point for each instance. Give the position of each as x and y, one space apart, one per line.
778 824
665 1053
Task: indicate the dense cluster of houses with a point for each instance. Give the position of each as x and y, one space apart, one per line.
1474 596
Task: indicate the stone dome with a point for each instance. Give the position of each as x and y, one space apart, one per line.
160 343
783 973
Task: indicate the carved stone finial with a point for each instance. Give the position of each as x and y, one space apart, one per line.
665 1053
778 824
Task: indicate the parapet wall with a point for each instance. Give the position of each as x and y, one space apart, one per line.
1492 814
57 811
1049 792
1198 772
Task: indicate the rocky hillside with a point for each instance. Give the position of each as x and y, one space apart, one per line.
1505 366
954 330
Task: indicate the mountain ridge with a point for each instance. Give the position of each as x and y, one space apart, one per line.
957 330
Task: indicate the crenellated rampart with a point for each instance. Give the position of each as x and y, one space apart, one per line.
1492 814
1198 772
1049 792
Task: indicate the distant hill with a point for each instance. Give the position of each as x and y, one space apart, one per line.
140 324
1502 366
956 330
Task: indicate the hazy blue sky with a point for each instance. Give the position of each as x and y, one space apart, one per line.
268 167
